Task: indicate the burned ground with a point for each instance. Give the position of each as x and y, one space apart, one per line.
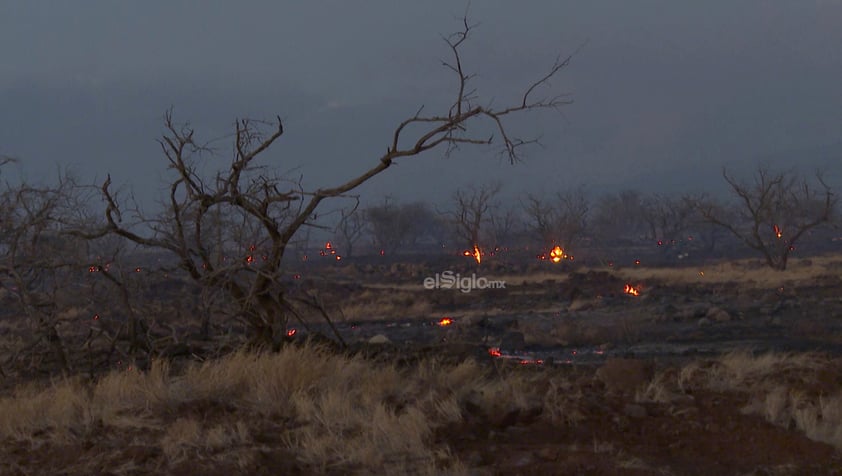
722 369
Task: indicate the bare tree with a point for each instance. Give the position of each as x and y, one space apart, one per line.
471 212
39 263
774 211
350 228
667 217
271 210
505 223
560 220
618 218
395 226
704 234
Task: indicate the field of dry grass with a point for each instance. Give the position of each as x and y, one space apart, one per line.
305 410
749 273
794 391
323 412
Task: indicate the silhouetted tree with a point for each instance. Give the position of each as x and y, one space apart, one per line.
270 210
773 211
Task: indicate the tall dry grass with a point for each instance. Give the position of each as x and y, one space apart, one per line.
337 413
779 385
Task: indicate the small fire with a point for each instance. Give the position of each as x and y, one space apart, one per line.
338 258
382 252
476 254
629 289
778 232
328 246
495 352
291 332
445 321
557 254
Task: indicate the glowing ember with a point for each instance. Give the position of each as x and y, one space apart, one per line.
445 321
629 289
291 332
338 258
296 276
96 317
557 254
660 243
382 252
328 246
778 232
138 269
495 352
637 261
701 273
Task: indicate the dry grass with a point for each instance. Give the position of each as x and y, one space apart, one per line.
387 303
334 413
746 272
778 384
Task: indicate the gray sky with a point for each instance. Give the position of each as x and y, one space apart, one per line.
665 92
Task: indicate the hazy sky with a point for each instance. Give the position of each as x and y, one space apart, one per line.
665 92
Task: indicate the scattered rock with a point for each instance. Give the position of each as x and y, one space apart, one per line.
625 375
582 304
717 314
548 453
633 410
690 312
379 339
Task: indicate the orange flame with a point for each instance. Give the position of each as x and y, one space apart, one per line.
778 232
494 352
557 254
291 332
328 246
629 289
476 253
445 321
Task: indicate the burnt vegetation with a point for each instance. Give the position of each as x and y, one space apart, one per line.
244 295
